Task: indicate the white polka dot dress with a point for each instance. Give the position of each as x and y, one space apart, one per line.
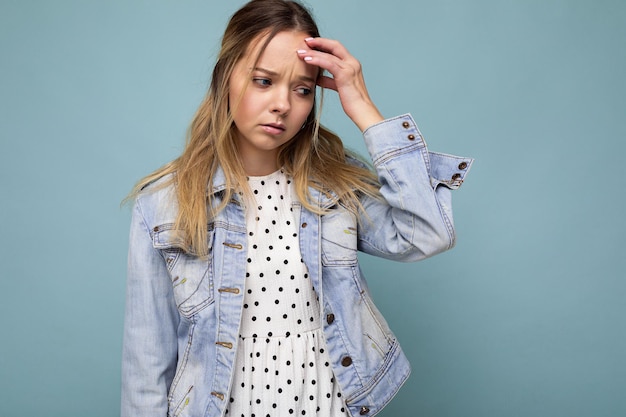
282 368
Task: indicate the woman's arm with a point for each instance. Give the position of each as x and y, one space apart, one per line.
414 220
151 320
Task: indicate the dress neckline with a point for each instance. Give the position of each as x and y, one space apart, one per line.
256 178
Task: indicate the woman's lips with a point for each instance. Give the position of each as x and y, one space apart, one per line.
273 128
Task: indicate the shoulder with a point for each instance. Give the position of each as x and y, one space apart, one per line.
356 160
157 201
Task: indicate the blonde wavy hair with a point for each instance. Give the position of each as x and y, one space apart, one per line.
315 157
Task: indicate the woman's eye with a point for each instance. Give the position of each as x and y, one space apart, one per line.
304 91
264 82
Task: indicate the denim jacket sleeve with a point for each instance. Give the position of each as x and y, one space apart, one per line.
150 341
414 219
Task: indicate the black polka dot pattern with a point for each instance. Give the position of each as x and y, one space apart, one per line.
275 269
281 367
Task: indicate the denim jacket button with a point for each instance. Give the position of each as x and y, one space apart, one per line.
456 177
462 165
364 410
406 125
218 395
230 290
304 225
411 137
330 318
347 361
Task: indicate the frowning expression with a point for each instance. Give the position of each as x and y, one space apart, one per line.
270 100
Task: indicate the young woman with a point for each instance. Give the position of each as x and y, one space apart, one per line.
244 295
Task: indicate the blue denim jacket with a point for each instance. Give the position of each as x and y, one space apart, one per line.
183 311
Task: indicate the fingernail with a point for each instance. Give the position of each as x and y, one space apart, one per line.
308 58
301 51
308 39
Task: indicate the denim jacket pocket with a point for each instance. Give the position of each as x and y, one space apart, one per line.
339 238
191 276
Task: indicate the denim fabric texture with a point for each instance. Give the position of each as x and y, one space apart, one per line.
183 312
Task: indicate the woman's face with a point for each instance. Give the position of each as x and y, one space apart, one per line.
278 97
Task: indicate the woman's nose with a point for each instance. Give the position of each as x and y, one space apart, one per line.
280 102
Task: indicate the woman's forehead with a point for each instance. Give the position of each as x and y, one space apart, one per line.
279 54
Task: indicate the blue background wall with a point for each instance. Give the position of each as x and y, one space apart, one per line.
525 317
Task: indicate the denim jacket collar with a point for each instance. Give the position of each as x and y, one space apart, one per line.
320 199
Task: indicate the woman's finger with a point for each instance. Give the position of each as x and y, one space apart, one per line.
323 60
346 79
327 82
330 46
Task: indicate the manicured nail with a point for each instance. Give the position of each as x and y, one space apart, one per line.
301 51
308 58
308 39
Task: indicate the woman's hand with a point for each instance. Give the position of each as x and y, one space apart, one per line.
347 79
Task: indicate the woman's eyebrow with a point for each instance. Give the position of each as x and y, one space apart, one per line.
275 74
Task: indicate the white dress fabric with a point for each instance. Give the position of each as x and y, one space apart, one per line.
282 368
